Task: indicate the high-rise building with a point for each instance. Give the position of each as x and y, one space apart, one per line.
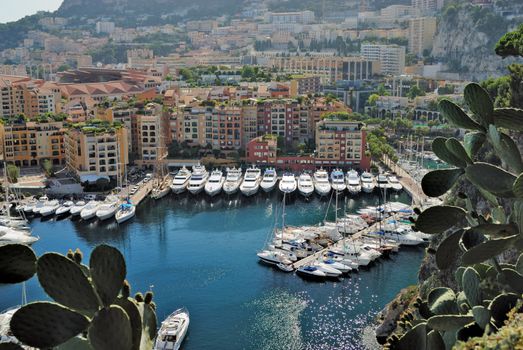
20 95
421 34
427 6
391 57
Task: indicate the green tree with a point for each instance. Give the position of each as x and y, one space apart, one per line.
47 165
371 101
13 173
414 92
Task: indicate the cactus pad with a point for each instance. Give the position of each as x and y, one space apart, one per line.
512 278
506 149
481 315
110 329
46 325
470 282
491 178
489 249
517 187
108 270
449 322
415 338
480 103
442 301
64 281
497 230
440 149
437 182
448 250
439 218
472 142
468 331
10 346
17 263
519 264
471 238
131 308
501 305
435 341
509 118
456 116
456 148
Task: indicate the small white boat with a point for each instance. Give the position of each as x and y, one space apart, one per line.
285 267
49 208
368 183
89 211
215 183
273 257
311 271
322 185
269 181
198 179
394 183
251 181
64 209
6 336
327 269
233 181
77 208
400 235
181 181
108 209
353 182
338 180
173 330
305 185
288 183
125 212
9 235
382 182
42 201
28 207
337 265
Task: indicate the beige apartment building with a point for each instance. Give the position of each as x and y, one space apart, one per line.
421 34
29 143
19 95
94 152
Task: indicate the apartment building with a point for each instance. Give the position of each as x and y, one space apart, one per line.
329 68
304 85
96 151
250 119
299 17
391 57
341 143
421 34
262 150
152 133
191 125
20 95
226 128
427 6
29 143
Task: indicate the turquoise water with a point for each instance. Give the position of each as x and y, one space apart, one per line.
201 253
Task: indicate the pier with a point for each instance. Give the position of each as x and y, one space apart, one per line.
409 184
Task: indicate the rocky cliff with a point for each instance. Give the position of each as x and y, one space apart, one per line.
465 40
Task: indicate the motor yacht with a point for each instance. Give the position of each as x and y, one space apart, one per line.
273 257
198 179
181 181
338 180
125 212
49 208
109 208
353 182
89 211
394 183
270 178
337 265
400 235
311 271
305 185
322 185
65 208
29 206
173 330
42 201
233 181
327 269
77 208
382 182
288 183
9 236
215 183
367 182
251 181
285 267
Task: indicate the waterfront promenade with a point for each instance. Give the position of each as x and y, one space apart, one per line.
408 183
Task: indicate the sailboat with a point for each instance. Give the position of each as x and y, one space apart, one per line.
127 210
162 188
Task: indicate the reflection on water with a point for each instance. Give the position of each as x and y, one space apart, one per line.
201 253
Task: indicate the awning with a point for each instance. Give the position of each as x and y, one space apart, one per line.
92 178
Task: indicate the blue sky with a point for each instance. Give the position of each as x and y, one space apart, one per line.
12 10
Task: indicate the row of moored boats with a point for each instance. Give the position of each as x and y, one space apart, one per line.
199 180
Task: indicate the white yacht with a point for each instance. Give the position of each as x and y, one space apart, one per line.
305 185
367 182
311 271
400 235
181 181
6 336
382 182
198 179
77 208
42 201
65 208
251 181
108 209
49 208
28 207
327 269
9 235
233 181
89 211
288 183
270 178
337 265
215 183
274 257
338 180
172 331
322 185
353 182
394 183
125 212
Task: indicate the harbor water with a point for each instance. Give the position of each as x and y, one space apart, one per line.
201 253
